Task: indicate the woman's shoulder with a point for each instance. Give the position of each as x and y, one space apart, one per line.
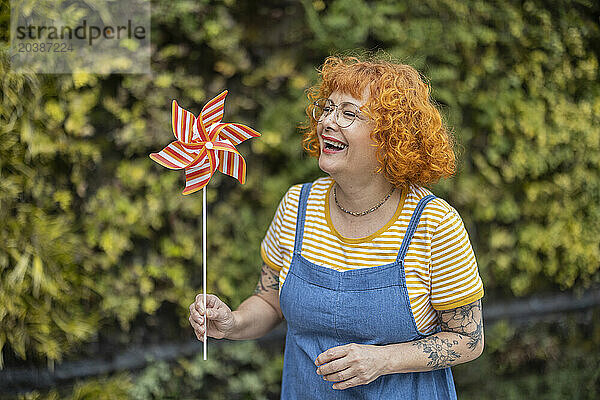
292 195
437 205
317 185
321 185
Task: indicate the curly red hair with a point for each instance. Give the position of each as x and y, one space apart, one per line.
413 144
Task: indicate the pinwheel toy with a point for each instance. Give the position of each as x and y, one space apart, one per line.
204 145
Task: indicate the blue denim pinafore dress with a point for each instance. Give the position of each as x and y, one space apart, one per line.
325 308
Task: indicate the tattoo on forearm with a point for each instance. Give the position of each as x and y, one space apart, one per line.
269 280
465 320
439 351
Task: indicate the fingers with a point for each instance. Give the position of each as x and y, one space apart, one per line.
212 301
340 375
347 384
333 367
350 365
196 315
332 354
198 329
215 311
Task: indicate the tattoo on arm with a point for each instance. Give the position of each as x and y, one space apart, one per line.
269 280
465 320
439 351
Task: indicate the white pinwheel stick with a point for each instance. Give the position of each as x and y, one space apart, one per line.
204 268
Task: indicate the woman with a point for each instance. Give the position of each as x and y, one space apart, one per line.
374 275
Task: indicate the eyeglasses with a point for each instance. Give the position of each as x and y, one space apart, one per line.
345 113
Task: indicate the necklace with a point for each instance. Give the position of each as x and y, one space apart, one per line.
360 214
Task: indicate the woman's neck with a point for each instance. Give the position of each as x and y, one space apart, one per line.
361 193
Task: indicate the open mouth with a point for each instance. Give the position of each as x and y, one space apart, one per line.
333 145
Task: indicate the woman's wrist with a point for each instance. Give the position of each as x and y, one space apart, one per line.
235 324
391 362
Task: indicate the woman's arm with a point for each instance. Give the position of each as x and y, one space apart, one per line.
259 313
255 317
460 341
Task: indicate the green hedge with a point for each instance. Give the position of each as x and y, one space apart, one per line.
96 237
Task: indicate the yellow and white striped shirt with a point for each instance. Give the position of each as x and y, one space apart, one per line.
440 266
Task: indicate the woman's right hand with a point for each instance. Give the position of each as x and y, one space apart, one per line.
220 318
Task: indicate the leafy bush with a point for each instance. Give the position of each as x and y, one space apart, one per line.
234 370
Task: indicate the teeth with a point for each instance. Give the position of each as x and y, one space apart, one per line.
337 145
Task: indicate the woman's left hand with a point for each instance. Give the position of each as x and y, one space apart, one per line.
351 364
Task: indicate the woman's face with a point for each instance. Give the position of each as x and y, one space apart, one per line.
354 155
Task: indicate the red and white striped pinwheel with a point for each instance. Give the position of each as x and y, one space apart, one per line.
204 144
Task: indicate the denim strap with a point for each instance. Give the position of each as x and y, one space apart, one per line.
412 226
301 216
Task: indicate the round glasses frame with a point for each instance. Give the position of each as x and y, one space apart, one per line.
345 112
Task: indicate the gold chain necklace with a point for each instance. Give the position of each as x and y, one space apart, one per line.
360 214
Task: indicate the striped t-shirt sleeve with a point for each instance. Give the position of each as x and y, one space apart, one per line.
455 280
270 248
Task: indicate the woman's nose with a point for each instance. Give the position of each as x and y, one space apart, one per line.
329 119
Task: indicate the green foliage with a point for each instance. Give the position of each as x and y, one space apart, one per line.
96 237
45 299
242 370
550 360
105 388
